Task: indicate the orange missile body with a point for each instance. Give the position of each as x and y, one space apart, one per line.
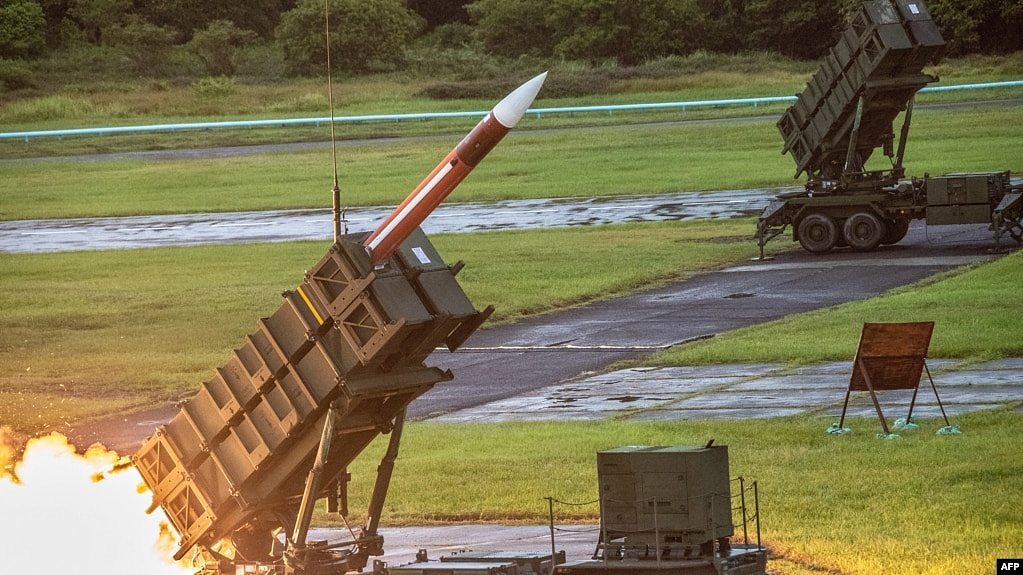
452 170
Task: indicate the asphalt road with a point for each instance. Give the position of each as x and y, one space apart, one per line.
539 352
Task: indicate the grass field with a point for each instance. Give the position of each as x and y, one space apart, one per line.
854 504
976 313
89 333
94 104
574 162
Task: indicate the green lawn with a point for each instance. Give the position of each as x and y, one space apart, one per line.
581 162
976 312
88 333
925 504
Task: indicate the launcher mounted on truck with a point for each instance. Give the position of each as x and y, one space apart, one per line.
848 111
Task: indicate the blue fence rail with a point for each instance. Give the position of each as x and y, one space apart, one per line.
440 115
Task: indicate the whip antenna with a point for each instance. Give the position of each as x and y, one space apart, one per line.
338 213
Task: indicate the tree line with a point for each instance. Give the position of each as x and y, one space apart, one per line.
377 34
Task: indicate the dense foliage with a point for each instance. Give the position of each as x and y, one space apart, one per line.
22 28
364 34
209 37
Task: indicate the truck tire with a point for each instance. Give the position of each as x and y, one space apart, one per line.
817 233
863 231
896 230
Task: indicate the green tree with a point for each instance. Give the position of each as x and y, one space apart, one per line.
55 12
94 17
514 27
628 32
22 28
216 44
187 16
989 26
794 28
440 12
364 34
145 43
722 26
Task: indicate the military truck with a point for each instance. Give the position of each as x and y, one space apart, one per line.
847 112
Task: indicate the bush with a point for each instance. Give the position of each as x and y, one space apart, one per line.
85 61
95 17
514 27
558 85
463 63
453 35
144 43
263 60
217 43
15 75
22 29
214 87
60 107
365 35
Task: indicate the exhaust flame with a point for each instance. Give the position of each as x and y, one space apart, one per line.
61 512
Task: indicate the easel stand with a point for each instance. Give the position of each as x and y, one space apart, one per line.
892 356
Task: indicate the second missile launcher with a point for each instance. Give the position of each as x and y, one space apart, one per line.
846 113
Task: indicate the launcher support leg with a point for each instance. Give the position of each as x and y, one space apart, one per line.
850 156
903 135
370 544
295 558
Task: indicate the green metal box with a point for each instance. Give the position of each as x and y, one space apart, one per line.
960 189
965 214
683 493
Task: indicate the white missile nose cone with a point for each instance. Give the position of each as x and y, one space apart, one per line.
511 109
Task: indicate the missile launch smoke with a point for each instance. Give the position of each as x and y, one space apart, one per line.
64 512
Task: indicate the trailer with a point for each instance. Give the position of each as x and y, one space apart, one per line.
845 114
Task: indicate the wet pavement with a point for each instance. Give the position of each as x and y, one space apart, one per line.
750 391
402 543
547 356
513 361
290 225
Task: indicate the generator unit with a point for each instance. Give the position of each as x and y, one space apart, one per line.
682 495
669 510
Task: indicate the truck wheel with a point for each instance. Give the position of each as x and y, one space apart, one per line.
817 233
896 230
863 231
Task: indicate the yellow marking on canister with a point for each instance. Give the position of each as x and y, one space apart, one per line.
310 304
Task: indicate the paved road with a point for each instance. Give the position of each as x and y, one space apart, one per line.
752 391
289 225
516 360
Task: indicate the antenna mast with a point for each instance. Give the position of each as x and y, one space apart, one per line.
337 212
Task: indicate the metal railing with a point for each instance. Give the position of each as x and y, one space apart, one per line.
538 112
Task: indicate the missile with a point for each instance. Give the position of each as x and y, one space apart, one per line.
451 170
